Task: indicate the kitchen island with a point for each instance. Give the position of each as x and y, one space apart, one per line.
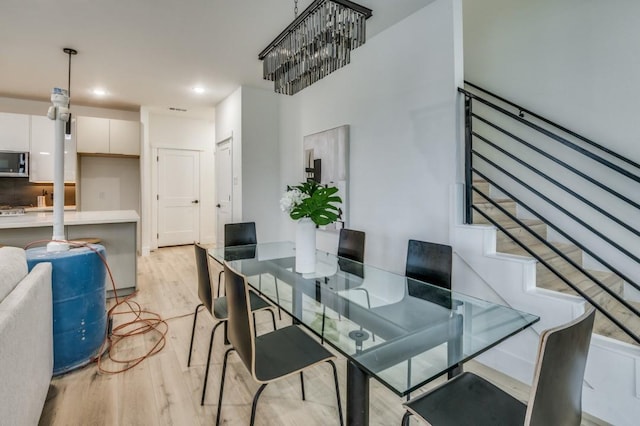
117 230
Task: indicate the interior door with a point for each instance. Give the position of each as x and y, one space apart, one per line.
224 187
178 197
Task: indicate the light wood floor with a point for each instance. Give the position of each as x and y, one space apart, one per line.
163 391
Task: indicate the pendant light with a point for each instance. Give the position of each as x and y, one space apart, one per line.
318 42
69 52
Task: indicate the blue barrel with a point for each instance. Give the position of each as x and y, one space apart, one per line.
79 304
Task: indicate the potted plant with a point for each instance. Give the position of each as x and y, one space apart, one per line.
312 205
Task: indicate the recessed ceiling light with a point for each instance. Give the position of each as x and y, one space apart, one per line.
99 92
199 90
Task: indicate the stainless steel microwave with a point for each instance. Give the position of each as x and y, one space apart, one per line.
14 164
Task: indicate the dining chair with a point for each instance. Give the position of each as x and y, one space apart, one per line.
217 307
271 356
556 393
238 234
429 262
350 259
244 234
351 245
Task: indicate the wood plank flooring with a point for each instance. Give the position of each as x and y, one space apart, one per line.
163 391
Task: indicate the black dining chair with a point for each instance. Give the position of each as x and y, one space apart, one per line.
351 245
350 258
271 356
556 393
429 262
243 234
217 307
238 234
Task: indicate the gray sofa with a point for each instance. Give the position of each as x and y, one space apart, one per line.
26 338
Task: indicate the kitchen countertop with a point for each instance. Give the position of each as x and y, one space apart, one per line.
46 209
34 220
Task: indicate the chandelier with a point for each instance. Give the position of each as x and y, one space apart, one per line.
318 42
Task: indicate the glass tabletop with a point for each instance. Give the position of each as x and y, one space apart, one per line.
403 332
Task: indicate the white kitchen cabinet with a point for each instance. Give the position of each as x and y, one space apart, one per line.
42 149
14 132
92 135
107 136
124 137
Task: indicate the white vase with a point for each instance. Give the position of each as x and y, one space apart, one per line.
305 246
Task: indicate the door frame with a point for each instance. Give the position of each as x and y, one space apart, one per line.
229 140
155 204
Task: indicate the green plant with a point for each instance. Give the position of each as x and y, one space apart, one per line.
310 199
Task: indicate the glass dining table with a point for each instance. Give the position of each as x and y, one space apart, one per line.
402 332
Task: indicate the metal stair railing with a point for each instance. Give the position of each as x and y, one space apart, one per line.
595 153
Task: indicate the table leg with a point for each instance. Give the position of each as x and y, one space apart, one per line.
455 345
357 396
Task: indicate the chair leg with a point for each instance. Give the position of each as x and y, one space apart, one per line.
335 379
302 386
408 377
193 331
255 403
278 300
405 419
224 369
206 371
219 281
366 292
324 315
273 318
226 340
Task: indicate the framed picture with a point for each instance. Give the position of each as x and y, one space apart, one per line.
326 160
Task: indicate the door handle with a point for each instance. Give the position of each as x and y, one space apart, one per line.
218 205
195 202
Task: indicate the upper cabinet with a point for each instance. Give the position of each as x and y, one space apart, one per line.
42 149
14 132
105 136
124 137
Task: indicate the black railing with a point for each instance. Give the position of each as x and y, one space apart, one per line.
503 124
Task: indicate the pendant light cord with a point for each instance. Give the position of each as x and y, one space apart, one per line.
69 52
69 79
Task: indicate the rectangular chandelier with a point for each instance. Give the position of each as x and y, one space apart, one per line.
318 42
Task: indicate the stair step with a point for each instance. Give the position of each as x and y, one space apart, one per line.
521 233
605 327
494 212
546 253
482 186
547 279
550 281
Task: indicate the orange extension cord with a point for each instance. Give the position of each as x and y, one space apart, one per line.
144 321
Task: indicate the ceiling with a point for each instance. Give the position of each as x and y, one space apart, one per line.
149 52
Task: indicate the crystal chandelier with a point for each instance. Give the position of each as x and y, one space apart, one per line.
318 42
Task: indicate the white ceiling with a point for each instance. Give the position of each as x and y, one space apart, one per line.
149 52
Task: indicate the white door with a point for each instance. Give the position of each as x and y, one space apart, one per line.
178 197
224 187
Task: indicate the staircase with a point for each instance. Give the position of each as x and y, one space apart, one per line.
544 277
540 204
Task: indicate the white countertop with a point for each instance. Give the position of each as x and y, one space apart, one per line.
46 209
34 220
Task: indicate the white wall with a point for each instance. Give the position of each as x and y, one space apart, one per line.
399 97
109 183
175 132
249 116
575 62
229 125
261 189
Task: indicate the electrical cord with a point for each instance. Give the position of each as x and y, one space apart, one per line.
144 321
